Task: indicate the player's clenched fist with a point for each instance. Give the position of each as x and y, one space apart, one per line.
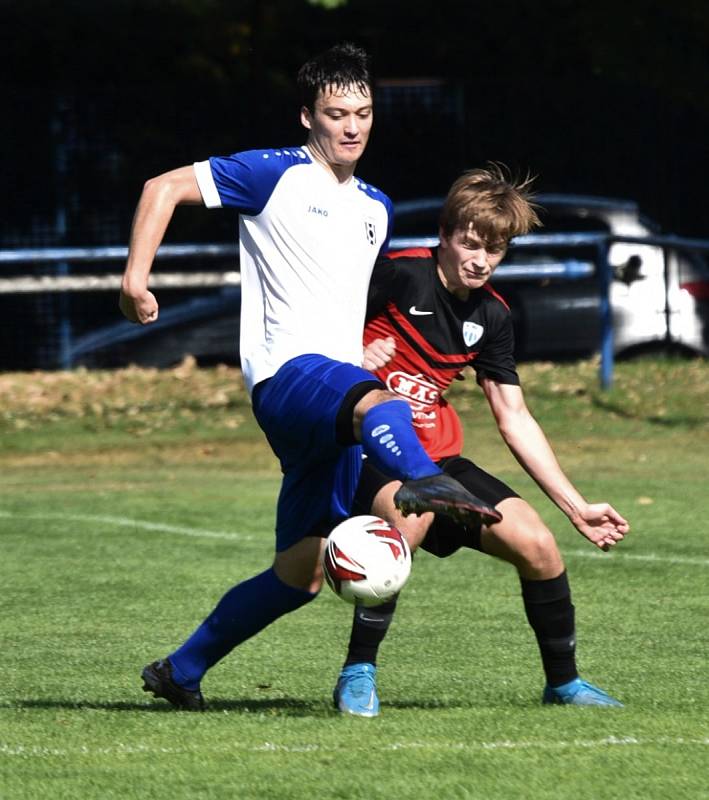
142 308
378 353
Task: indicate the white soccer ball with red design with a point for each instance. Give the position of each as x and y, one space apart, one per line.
366 560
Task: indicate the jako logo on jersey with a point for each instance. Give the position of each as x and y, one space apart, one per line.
472 333
419 392
371 231
321 212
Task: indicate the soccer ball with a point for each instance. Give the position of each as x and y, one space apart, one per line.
366 560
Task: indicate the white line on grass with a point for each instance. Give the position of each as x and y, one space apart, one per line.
159 527
268 747
662 559
199 533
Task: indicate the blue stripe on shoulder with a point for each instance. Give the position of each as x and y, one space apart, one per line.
246 180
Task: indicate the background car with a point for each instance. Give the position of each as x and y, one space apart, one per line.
659 295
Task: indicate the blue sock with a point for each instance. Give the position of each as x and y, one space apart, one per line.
389 439
244 610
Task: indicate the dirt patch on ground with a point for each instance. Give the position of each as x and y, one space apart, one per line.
125 416
82 392
142 401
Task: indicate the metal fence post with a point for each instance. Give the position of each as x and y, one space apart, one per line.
65 333
60 130
605 279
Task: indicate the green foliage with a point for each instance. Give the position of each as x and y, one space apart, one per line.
328 3
123 522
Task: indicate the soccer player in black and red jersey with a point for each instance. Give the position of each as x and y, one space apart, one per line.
432 313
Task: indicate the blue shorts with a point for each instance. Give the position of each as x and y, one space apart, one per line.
305 410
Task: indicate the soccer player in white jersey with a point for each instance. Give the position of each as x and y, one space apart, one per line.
310 232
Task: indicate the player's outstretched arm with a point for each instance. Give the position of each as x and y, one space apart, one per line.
160 197
600 523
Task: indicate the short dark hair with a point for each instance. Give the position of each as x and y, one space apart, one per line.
343 66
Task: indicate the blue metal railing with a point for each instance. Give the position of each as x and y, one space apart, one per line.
568 268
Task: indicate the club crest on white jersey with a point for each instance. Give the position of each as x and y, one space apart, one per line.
471 333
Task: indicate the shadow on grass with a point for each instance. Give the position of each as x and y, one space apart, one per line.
672 421
462 704
285 706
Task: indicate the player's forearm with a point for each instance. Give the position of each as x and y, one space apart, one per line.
160 197
531 448
152 216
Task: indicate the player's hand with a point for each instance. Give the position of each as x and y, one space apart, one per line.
142 308
378 353
602 525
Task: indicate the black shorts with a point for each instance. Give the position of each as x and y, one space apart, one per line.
445 536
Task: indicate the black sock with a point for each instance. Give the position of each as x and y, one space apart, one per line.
551 615
369 627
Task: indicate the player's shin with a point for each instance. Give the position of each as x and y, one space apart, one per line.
369 627
389 439
550 613
243 611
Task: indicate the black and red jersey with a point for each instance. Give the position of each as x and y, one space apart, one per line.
437 335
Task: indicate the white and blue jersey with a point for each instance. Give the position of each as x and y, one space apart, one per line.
308 245
307 248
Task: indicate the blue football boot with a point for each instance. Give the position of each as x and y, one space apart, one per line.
578 693
356 690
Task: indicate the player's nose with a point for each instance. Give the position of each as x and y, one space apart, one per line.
479 257
351 125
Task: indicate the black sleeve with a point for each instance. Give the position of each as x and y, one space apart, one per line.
380 285
496 360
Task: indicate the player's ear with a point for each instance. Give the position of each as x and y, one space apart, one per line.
442 238
306 118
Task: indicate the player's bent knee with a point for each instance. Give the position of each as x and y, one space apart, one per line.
523 539
539 550
299 566
306 583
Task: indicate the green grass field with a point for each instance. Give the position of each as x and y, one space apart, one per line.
131 500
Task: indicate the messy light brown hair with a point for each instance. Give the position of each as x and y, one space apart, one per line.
492 203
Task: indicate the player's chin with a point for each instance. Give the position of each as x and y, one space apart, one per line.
475 281
349 155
